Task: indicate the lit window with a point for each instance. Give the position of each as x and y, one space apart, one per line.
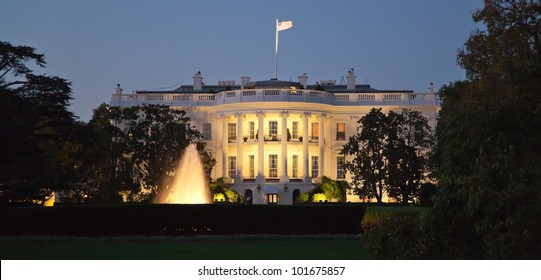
272 198
341 131
251 163
295 130
273 166
340 172
251 127
232 131
315 166
295 166
273 128
315 131
232 167
207 132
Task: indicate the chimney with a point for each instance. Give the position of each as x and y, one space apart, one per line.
244 80
351 79
197 81
431 89
118 89
303 79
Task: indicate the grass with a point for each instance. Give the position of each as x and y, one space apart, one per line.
199 248
254 247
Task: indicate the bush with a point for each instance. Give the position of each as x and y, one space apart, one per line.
393 236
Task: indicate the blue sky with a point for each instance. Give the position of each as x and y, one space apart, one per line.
392 44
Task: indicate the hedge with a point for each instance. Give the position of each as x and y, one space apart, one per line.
170 219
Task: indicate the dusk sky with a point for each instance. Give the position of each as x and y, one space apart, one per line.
392 44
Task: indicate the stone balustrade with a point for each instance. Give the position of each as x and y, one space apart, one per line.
276 95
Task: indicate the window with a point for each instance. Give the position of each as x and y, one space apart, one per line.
272 198
273 128
341 131
251 128
295 130
340 171
232 167
315 166
232 131
273 166
295 166
251 163
207 132
315 131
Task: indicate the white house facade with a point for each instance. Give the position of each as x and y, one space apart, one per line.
274 139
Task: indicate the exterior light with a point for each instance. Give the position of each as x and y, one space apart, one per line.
285 188
258 188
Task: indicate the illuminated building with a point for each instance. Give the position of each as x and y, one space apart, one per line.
273 139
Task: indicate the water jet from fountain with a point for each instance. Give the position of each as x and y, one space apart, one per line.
190 185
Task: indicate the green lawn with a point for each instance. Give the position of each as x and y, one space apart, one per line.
148 248
256 247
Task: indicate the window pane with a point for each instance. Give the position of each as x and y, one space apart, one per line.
273 128
252 166
273 166
232 131
232 167
295 130
315 131
295 166
341 131
207 132
252 130
315 167
340 172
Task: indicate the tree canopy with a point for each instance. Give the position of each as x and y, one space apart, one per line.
35 127
388 154
136 150
487 158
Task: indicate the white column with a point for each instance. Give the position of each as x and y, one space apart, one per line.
224 145
305 118
283 167
240 142
260 147
321 143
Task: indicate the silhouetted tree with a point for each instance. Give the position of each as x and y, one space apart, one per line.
35 125
368 163
487 156
388 154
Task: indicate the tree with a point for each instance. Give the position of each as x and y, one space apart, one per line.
409 145
389 154
488 160
137 150
35 125
368 165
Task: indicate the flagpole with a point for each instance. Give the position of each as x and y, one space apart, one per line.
276 53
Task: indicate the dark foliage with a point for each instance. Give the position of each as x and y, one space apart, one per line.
35 128
168 219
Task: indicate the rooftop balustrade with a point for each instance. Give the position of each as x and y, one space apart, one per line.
276 95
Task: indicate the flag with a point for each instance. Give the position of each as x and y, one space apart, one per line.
284 25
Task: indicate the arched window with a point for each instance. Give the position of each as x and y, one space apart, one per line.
296 194
248 196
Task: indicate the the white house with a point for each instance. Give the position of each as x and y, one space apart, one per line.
272 139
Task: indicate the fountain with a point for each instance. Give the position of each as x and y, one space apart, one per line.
190 185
